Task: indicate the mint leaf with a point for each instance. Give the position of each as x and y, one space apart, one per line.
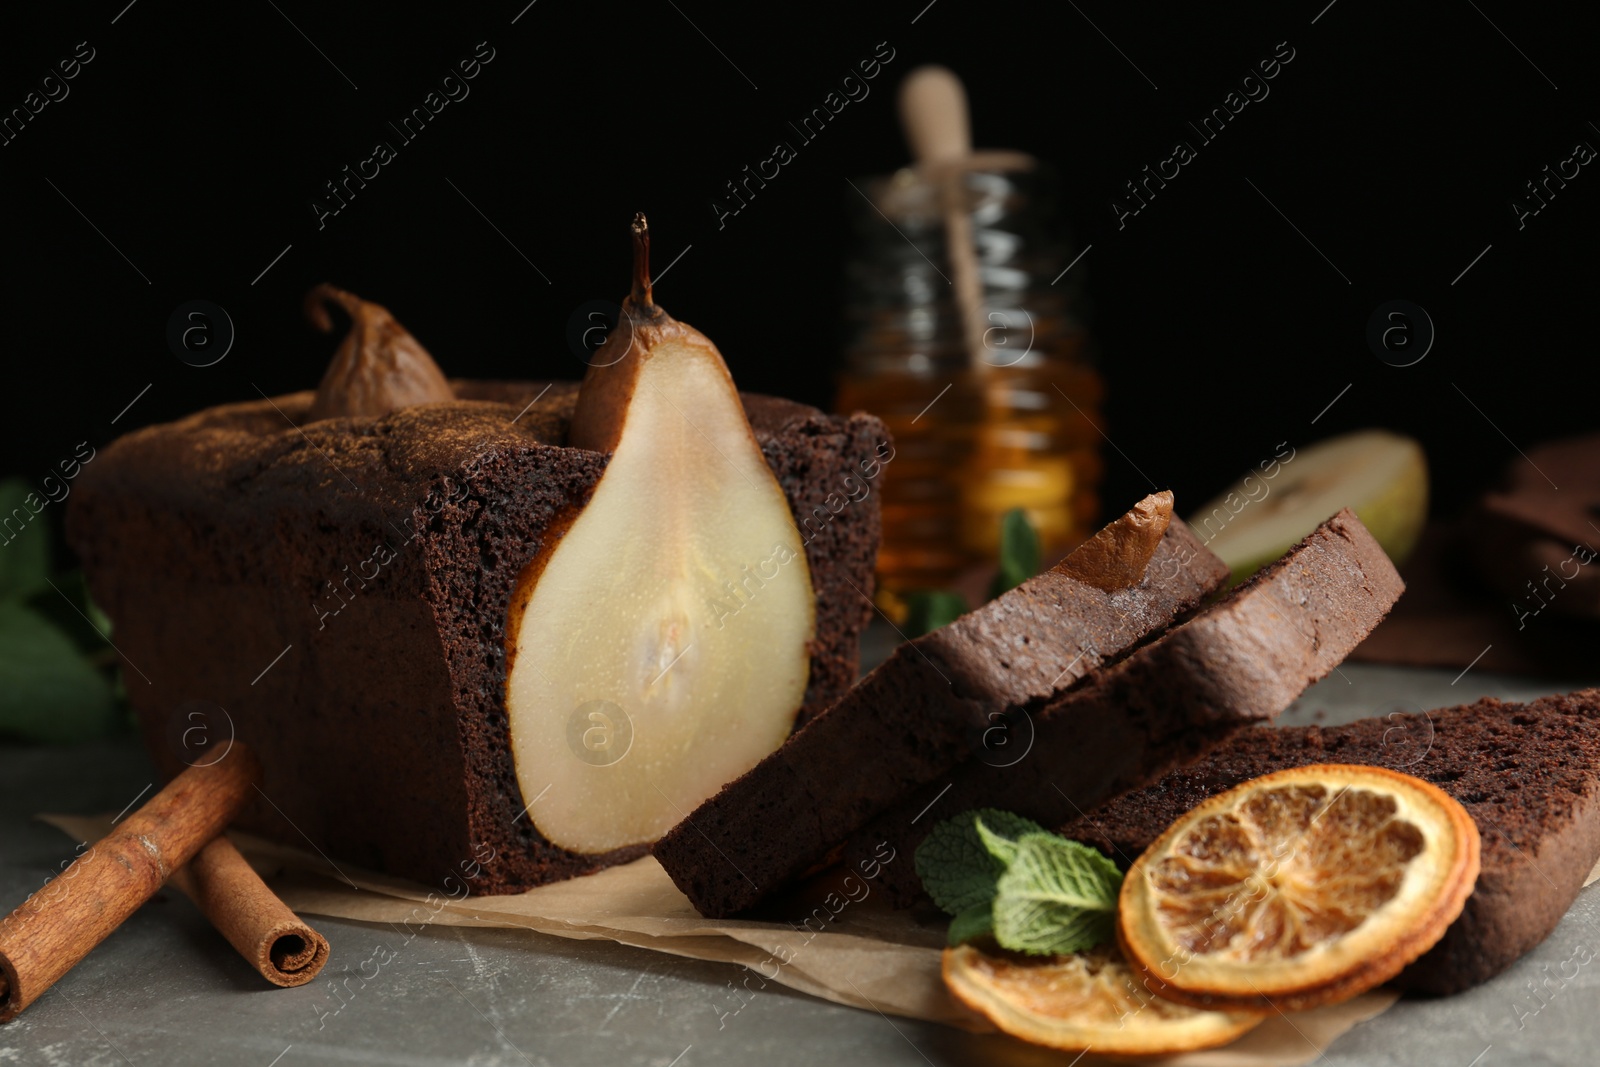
48 691
1056 896
1019 552
975 922
24 542
929 609
1003 845
957 866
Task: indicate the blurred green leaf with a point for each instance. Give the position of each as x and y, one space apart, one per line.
1019 552
929 609
70 610
24 543
97 618
48 690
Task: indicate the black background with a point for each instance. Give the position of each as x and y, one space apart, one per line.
1396 139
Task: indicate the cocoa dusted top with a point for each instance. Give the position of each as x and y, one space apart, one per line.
400 454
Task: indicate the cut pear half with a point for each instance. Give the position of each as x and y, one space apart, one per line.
663 648
1381 476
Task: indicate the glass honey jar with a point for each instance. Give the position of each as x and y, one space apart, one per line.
986 416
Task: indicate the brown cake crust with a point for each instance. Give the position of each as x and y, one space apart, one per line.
1529 774
222 541
923 711
1238 662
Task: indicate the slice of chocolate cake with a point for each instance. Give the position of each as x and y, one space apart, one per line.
1238 662
933 703
340 588
1529 774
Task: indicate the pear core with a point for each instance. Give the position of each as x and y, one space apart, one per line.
663 649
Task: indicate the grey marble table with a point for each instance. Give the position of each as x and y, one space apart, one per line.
166 990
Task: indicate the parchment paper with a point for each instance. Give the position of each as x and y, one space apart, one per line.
867 955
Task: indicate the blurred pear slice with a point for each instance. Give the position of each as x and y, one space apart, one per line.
1380 475
663 647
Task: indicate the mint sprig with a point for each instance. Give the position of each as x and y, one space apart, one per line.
1019 552
1020 557
1000 874
929 609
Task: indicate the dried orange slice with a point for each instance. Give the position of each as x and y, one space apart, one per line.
1089 1000
1299 888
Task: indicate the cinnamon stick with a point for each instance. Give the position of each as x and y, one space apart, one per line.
267 934
57 926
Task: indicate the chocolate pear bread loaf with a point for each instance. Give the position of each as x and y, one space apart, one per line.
1529 774
928 707
337 593
1238 662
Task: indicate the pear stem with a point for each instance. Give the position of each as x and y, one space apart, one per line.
641 261
318 299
